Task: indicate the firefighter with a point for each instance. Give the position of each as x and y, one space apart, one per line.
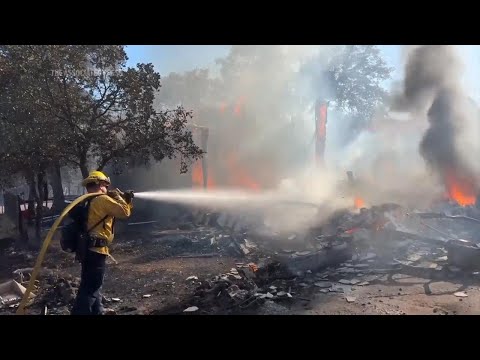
102 212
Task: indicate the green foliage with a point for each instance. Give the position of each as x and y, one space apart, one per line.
72 103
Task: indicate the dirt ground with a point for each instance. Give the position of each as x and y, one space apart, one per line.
403 296
151 278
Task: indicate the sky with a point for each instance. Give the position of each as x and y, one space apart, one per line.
176 58
179 58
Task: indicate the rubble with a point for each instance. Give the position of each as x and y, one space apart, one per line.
11 292
352 248
463 254
323 285
191 309
65 291
22 275
293 265
350 251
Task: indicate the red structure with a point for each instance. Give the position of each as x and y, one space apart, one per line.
320 131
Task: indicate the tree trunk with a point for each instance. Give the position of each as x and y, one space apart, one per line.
14 215
84 170
39 212
32 200
83 165
57 187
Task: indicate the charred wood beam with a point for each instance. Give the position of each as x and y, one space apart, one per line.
351 179
329 256
189 256
406 235
429 215
438 231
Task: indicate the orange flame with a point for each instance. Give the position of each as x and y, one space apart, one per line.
460 190
322 125
238 106
358 202
239 176
237 109
197 176
352 230
253 267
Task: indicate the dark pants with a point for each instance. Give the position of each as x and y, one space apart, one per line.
89 299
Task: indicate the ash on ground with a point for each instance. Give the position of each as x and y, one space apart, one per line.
265 272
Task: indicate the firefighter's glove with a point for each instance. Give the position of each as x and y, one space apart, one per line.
128 196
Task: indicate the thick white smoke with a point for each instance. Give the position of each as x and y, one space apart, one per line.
275 135
272 132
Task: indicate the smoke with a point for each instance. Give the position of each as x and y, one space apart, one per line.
433 90
428 70
426 143
258 106
387 164
294 206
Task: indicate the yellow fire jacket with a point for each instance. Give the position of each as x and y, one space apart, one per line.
100 207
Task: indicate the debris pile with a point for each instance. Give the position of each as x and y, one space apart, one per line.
57 294
53 294
349 251
242 287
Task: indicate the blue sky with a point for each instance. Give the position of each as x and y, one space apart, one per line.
176 58
179 58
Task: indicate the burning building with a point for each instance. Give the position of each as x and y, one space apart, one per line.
235 158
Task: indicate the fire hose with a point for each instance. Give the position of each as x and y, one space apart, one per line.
46 243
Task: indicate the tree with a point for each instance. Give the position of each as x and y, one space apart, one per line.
248 99
262 76
191 89
351 78
71 105
101 110
27 149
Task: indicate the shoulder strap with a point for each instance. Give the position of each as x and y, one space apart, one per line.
98 223
88 208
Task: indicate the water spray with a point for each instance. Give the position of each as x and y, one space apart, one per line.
224 198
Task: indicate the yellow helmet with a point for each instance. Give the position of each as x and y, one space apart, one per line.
95 177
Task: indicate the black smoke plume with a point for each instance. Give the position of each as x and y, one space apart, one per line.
432 88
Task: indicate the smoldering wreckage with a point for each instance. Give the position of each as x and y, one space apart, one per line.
273 273
263 271
385 259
